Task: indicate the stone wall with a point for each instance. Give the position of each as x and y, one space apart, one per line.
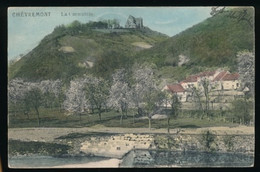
116 146
119 145
206 142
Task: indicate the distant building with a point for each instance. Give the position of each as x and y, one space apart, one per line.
228 83
178 90
192 81
135 23
231 81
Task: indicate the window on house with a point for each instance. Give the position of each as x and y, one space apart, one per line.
237 84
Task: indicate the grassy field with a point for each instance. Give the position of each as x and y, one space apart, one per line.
54 118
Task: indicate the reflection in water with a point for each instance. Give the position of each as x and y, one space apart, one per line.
144 158
48 161
152 158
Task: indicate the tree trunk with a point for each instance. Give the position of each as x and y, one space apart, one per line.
106 108
15 109
59 106
133 118
125 112
203 112
149 122
92 109
139 111
121 119
99 114
27 114
168 123
38 116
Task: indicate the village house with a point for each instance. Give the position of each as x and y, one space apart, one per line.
221 80
178 90
227 81
218 80
193 80
231 81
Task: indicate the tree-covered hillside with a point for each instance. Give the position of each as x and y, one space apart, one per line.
214 42
83 48
96 48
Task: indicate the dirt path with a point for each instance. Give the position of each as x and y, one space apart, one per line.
49 134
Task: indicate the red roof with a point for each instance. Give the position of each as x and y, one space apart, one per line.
231 77
206 73
194 78
220 76
176 88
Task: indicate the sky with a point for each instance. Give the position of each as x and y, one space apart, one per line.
25 32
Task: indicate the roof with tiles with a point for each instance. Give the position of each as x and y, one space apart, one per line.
231 77
194 78
220 76
176 88
206 73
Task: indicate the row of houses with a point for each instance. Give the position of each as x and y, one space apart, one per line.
221 81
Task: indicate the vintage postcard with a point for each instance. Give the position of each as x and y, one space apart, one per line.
102 87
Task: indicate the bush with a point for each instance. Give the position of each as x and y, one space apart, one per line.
242 111
208 139
228 141
25 148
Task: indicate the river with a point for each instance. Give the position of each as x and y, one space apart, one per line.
140 158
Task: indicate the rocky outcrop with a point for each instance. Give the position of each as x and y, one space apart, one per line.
116 146
67 49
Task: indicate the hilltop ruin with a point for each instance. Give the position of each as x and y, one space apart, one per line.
134 23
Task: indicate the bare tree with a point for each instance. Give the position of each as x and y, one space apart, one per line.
52 92
16 91
34 98
246 69
76 102
205 86
144 81
239 14
120 96
175 107
147 97
97 92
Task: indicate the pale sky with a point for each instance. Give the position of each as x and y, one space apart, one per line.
25 32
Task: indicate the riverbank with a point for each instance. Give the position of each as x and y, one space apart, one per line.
115 143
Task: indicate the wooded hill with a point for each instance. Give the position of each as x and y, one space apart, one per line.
83 48
72 50
212 43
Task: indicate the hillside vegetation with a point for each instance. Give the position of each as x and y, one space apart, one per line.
78 48
66 52
209 44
